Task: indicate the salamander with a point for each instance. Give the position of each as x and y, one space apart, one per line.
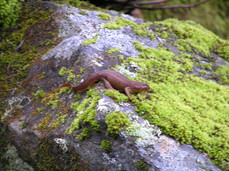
112 80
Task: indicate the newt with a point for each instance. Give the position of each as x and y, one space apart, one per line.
112 80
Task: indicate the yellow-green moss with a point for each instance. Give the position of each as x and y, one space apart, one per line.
70 73
112 50
223 72
116 95
39 94
117 121
193 36
91 41
44 123
86 132
106 145
51 99
104 16
85 111
9 12
138 29
22 124
191 109
58 121
142 165
15 63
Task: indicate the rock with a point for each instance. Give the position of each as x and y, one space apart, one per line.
64 130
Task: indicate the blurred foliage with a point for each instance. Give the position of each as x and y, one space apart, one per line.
213 14
9 12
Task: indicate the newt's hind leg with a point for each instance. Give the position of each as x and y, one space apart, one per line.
107 84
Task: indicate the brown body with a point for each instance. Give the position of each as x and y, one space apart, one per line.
112 80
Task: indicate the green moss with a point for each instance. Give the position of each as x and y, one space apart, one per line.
83 13
58 121
138 29
14 63
104 16
188 108
85 111
116 95
202 72
44 123
117 121
223 72
208 66
41 109
49 158
91 41
51 99
39 94
84 134
22 124
9 12
112 50
70 73
80 4
193 36
142 165
106 145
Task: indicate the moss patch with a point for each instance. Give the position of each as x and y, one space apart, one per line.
69 72
191 109
117 121
91 41
112 50
193 36
85 111
138 29
223 72
22 44
106 145
116 95
104 16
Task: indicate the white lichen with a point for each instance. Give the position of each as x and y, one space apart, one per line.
62 143
105 106
16 102
122 69
145 133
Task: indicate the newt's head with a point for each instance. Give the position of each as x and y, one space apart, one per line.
140 87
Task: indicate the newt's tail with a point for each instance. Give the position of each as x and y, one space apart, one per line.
64 85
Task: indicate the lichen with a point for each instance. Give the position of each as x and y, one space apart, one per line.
117 121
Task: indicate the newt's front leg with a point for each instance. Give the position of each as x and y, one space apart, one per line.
127 91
